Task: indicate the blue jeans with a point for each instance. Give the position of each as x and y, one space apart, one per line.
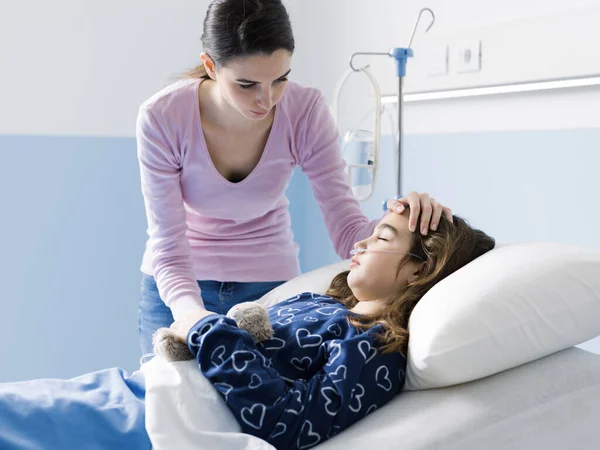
218 297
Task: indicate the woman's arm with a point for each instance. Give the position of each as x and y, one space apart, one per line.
320 158
355 381
160 166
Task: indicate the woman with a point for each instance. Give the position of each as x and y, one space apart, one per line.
216 152
333 359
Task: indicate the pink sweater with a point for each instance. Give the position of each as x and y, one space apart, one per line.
203 227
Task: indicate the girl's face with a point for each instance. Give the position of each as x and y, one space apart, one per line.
374 274
252 85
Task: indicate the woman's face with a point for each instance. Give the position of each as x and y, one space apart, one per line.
374 274
253 85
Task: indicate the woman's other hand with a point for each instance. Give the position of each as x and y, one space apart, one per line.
418 203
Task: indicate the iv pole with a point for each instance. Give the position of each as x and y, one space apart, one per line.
401 56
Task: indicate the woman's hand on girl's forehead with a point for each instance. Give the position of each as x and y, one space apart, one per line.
431 211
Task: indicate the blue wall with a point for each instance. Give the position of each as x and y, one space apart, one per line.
72 235
73 227
517 186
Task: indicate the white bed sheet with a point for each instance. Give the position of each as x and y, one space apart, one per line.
552 403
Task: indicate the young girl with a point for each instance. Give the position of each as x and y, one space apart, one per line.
337 357
333 359
216 153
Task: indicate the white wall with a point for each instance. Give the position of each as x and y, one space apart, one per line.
73 67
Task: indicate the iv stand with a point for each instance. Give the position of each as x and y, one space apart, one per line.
401 56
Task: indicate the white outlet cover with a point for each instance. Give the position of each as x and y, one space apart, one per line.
468 57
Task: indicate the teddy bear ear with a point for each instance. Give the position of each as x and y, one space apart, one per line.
254 318
169 347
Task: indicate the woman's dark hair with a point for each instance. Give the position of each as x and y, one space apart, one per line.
240 28
452 246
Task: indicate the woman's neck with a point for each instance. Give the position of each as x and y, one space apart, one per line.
216 111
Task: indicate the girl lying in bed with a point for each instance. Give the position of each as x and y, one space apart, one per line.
333 358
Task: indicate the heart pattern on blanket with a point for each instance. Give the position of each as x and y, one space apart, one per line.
241 359
274 343
332 397
287 311
201 333
255 416
368 352
382 377
328 310
306 339
286 315
286 319
357 394
335 329
297 395
339 374
206 328
335 353
255 381
280 428
307 437
216 357
192 342
292 299
301 364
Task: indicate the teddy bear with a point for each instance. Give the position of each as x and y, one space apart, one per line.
249 316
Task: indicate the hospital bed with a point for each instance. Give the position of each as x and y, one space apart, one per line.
550 402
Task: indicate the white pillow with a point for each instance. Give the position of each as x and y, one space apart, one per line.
513 305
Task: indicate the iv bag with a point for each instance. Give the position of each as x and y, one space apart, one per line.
358 149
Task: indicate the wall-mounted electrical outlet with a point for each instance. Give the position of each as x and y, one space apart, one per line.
468 57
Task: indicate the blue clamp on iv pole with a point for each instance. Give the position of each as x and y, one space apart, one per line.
401 56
